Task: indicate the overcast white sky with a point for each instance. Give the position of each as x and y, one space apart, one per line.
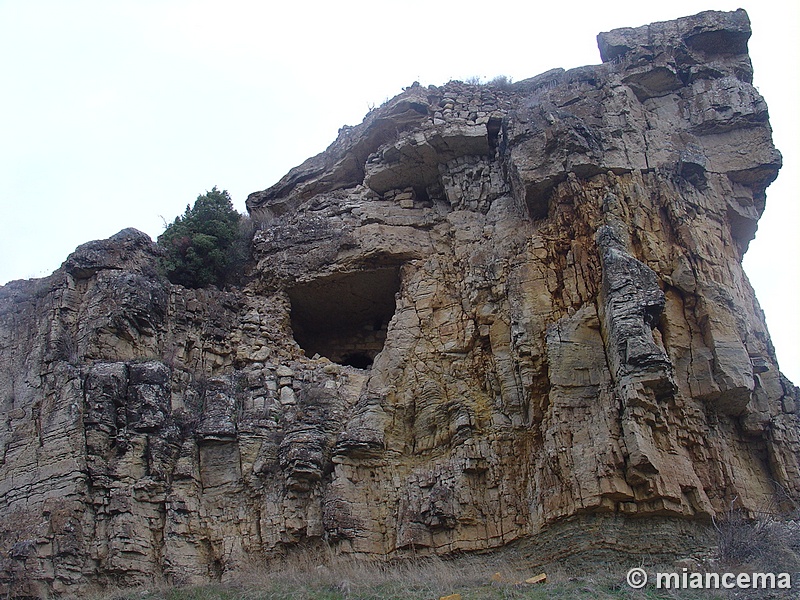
115 114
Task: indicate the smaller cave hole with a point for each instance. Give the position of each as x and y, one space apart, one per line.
493 128
421 194
359 360
345 317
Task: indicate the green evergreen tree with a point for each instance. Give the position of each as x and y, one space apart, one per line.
201 247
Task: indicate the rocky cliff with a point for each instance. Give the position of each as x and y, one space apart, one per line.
487 314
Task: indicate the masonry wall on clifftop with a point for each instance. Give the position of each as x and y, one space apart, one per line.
484 315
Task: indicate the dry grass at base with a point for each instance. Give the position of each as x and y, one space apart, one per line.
302 578
764 542
767 544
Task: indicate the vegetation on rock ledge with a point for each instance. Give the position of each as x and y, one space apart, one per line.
207 245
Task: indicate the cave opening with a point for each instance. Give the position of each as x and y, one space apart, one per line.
493 127
345 316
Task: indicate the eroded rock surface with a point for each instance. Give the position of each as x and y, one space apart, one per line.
482 315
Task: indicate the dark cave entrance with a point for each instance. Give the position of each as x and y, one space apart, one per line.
345 317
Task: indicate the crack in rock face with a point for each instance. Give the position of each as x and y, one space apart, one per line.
486 315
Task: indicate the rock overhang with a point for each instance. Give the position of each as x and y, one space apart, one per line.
692 73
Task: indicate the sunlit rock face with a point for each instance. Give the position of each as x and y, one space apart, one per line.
484 315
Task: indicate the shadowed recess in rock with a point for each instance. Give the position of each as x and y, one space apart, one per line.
344 317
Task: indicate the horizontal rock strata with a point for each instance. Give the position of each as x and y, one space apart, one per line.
484 313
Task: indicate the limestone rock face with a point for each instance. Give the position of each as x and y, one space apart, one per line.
484 315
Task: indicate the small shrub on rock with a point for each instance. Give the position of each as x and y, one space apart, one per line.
204 246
